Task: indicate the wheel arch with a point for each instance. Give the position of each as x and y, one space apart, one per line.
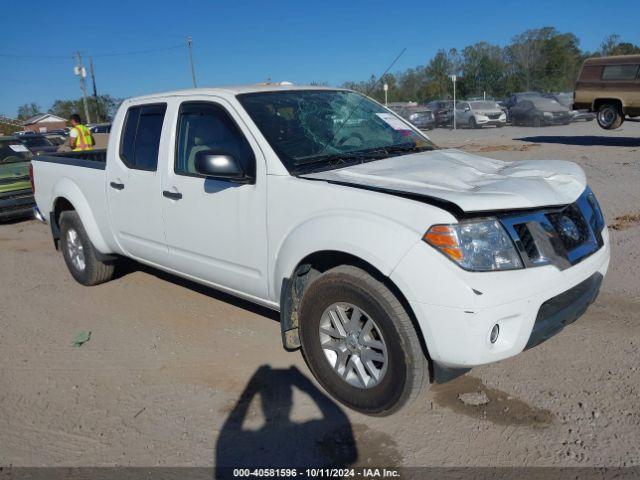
598 102
315 264
68 197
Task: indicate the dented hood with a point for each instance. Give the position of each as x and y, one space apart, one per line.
471 182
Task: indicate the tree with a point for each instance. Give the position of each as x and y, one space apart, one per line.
438 71
543 59
613 46
28 110
483 70
108 106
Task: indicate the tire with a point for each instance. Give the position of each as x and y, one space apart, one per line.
609 116
400 363
472 123
80 254
537 122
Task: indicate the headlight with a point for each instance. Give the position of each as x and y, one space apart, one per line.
482 245
597 221
548 114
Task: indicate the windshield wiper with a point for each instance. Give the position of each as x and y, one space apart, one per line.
339 160
407 147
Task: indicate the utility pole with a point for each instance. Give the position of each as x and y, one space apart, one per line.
81 72
193 71
454 78
95 91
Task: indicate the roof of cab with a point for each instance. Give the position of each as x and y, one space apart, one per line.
235 90
613 60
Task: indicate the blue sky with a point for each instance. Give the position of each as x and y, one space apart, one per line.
251 41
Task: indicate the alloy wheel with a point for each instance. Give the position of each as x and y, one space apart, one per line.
353 345
75 250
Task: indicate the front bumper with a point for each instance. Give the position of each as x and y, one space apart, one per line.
16 204
457 309
491 121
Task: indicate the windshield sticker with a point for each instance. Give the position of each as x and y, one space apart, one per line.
393 121
18 148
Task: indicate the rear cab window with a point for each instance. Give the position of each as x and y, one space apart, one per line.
141 133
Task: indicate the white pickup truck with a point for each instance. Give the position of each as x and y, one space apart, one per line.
393 263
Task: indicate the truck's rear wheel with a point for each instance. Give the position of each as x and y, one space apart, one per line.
360 343
80 254
609 116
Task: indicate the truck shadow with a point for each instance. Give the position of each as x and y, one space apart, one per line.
271 439
127 266
584 140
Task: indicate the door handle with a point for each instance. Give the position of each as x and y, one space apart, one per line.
172 195
117 186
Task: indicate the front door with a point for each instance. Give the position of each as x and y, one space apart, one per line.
216 229
134 184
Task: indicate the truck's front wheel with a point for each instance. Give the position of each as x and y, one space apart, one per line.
80 254
360 343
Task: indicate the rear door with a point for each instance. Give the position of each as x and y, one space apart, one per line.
215 229
134 184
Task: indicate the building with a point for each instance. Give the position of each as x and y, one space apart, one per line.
44 122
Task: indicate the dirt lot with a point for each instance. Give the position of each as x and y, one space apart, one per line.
178 375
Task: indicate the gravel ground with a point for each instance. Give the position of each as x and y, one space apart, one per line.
179 375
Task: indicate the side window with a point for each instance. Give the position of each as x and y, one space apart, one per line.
619 72
207 126
141 136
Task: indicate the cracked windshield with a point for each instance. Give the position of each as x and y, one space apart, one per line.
324 129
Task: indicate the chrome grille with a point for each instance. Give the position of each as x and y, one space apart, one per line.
558 236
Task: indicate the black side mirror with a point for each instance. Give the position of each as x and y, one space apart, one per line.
221 165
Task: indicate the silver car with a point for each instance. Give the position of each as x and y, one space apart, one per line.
476 114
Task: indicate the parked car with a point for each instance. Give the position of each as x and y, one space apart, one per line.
39 144
538 112
56 139
477 114
421 117
100 133
100 128
566 99
16 197
386 257
58 131
610 87
514 98
442 111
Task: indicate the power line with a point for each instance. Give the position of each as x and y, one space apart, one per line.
135 52
19 55
98 55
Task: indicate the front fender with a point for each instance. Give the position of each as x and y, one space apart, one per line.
68 190
379 241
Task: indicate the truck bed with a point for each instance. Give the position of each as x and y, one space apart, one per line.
89 159
80 178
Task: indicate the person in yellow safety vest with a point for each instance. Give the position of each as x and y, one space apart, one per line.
79 137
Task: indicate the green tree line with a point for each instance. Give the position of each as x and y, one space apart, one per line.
543 60
101 110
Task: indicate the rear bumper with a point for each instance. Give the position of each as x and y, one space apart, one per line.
16 204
